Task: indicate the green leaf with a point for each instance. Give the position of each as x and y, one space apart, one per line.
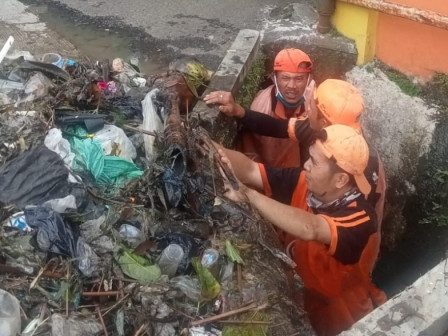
137 267
210 287
232 253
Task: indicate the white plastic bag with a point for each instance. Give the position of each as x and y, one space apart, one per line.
61 204
151 122
10 322
56 143
115 142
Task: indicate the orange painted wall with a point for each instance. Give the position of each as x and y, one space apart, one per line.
412 47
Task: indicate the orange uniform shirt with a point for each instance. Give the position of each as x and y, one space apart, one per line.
337 278
273 151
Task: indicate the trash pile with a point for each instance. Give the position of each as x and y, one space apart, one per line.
111 219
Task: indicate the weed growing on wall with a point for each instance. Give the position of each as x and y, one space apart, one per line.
253 81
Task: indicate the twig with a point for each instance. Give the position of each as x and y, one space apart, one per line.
140 330
66 291
296 333
240 280
98 310
36 279
182 313
229 313
111 293
116 304
139 130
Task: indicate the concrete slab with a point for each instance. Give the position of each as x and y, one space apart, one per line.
229 77
421 309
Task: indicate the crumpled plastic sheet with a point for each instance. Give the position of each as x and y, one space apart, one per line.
92 233
10 322
75 325
56 236
34 177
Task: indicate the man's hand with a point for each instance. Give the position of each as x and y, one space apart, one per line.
229 192
226 102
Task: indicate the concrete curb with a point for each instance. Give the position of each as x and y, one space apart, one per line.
421 309
229 77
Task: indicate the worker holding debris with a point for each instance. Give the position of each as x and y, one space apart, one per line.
333 102
288 97
332 231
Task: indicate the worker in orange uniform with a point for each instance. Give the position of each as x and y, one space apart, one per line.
333 102
332 231
287 98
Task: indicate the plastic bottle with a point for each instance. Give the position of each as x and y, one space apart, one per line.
170 258
10 323
210 260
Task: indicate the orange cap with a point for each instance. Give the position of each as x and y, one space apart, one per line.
340 102
350 150
289 60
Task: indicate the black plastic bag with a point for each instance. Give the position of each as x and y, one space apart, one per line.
34 177
56 236
53 234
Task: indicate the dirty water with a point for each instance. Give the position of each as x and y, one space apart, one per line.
97 42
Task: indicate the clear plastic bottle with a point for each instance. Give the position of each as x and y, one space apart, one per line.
170 258
210 260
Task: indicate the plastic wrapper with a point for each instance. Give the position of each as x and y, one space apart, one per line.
10 322
131 235
75 325
190 287
115 142
36 87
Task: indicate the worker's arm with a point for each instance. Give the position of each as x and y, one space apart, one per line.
260 123
246 170
297 222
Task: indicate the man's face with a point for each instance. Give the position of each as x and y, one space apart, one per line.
291 85
319 177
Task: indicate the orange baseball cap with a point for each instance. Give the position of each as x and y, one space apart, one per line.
340 102
292 60
350 150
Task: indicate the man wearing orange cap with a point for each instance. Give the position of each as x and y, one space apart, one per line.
333 102
332 229
286 98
